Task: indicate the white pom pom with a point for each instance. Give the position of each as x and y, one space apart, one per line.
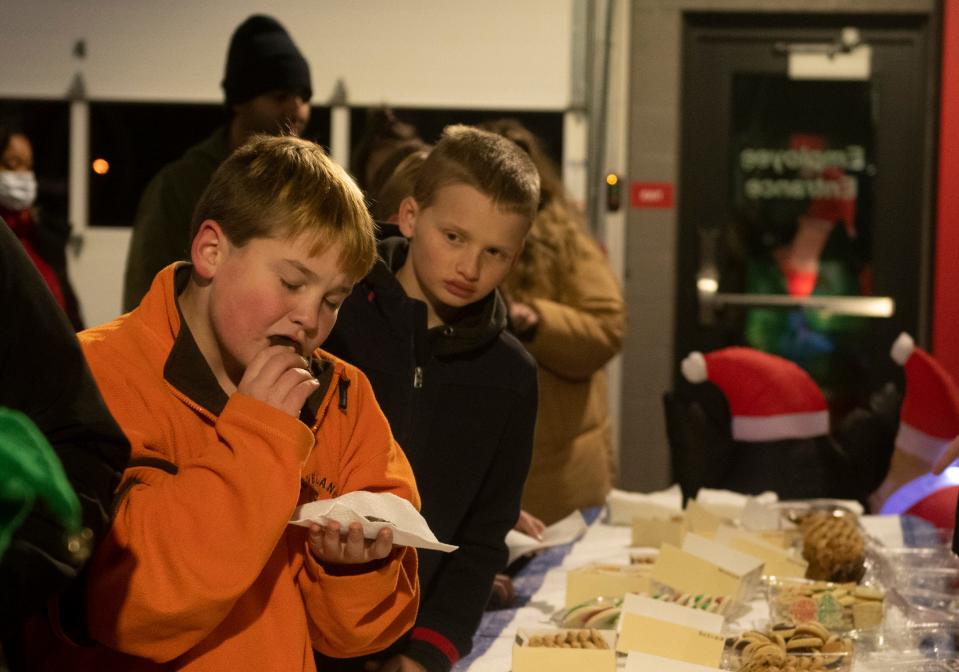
902 348
694 367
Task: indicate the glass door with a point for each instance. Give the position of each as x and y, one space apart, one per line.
802 207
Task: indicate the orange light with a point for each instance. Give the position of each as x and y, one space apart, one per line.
611 179
101 166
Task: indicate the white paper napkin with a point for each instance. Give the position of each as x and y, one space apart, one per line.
374 511
729 504
564 531
623 505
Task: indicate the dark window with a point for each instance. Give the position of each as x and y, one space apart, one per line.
137 139
547 126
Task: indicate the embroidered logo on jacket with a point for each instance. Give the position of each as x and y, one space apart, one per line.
314 487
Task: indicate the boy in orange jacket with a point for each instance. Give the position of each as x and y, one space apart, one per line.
235 416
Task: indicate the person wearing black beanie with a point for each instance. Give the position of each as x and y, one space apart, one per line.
267 89
263 58
267 81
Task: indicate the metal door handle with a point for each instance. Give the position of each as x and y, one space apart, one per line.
859 306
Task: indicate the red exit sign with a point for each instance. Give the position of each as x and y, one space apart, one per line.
651 194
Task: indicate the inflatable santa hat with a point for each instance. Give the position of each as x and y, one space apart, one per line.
770 398
929 496
929 418
928 421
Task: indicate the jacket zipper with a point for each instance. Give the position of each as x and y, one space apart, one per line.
200 410
417 377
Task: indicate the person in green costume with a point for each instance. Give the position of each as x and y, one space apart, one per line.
61 456
31 471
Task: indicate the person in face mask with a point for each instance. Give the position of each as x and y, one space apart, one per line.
44 239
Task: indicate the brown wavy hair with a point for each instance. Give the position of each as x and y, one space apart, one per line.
551 243
399 185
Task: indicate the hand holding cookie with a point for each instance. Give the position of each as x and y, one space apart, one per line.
280 377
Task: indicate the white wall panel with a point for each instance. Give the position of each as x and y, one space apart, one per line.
428 53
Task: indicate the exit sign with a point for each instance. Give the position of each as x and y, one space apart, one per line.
651 194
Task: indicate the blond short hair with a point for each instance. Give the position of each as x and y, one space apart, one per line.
491 164
284 187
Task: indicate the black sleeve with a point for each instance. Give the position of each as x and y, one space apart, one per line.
868 437
161 229
452 608
43 375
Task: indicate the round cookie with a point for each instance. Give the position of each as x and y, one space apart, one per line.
799 642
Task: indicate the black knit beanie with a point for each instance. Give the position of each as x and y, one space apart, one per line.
263 58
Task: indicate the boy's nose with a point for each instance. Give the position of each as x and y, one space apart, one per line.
469 266
307 318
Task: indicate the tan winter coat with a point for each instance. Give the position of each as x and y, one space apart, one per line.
581 328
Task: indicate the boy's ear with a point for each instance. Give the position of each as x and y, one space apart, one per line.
406 216
209 248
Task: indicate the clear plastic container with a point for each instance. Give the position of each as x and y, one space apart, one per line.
900 663
943 580
895 567
840 607
842 662
932 640
714 604
923 534
832 653
925 606
793 511
601 613
922 558
901 645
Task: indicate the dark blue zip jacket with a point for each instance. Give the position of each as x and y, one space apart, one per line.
461 400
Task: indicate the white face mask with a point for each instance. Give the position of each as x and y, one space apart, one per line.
18 189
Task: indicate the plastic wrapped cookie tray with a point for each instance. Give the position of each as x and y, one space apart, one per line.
564 650
601 613
840 607
789 647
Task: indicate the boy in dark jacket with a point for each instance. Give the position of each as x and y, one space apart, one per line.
427 326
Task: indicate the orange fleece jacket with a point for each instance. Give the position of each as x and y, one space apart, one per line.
200 570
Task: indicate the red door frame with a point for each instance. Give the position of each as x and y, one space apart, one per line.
945 324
